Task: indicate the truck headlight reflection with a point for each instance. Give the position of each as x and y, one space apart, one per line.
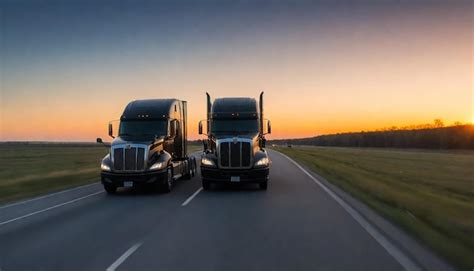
207 162
262 162
104 167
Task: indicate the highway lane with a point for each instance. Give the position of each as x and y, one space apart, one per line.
294 225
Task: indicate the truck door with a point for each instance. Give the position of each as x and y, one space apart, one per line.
170 143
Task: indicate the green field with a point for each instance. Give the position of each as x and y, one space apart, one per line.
428 193
34 169
28 170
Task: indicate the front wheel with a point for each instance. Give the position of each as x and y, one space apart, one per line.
263 186
110 188
166 186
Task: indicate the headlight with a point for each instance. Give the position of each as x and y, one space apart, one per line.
262 162
207 162
104 167
159 165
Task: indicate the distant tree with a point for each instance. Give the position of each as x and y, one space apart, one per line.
438 123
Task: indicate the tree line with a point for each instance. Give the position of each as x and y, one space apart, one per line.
438 137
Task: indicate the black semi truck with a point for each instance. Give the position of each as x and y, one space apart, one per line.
151 147
234 150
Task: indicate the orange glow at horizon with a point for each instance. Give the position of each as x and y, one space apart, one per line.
86 126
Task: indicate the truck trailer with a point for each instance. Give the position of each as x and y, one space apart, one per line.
151 147
234 151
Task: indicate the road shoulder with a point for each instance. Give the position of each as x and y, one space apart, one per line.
418 252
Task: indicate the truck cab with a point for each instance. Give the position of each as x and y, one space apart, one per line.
151 147
234 150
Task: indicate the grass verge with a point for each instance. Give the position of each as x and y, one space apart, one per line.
429 194
29 170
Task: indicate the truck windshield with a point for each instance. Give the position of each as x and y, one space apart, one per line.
143 128
234 126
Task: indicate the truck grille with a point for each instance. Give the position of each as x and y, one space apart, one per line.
235 155
130 159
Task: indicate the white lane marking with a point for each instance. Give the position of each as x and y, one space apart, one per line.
191 197
49 208
124 256
48 195
396 253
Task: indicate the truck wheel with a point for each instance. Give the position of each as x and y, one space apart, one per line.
263 186
166 185
189 170
206 184
110 189
194 166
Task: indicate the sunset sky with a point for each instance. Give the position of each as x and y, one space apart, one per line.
67 68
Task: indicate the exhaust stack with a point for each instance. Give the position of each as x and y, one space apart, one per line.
209 104
261 112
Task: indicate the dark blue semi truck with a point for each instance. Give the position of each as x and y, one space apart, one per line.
234 150
151 147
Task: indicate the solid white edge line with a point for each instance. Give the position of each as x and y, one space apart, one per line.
49 208
124 256
48 195
394 251
191 197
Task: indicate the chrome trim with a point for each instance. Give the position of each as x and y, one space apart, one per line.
231 141
240 154
124 146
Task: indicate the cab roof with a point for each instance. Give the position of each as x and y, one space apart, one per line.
149 109
234 108
230 105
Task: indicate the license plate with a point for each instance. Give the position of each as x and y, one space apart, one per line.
127 184
235 179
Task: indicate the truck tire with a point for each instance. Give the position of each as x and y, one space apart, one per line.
263 185
206 185
194 166
110 188
166 185
189 170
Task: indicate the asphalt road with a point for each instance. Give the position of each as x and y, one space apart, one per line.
294 225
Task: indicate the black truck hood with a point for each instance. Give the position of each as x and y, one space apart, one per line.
249 136
136 140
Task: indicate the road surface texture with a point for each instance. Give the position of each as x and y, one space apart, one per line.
297 224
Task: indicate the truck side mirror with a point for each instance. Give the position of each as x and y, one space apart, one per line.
111 131
99 140
269 127
176 128
172 129
200 127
